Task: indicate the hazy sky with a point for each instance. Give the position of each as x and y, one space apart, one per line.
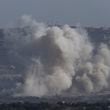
85 12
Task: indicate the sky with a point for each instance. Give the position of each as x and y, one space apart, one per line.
72 12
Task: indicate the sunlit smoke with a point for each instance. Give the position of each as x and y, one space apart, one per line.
58 60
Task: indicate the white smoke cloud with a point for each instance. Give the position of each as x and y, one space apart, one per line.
58 60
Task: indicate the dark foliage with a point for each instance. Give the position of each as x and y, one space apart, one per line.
55 106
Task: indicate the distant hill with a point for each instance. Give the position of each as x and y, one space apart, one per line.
98 35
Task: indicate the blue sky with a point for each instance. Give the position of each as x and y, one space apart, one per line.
72 12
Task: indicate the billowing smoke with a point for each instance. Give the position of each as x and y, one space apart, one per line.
58 60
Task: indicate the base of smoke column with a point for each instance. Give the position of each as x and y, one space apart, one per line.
99 98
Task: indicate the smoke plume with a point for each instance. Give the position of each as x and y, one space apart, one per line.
58 60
